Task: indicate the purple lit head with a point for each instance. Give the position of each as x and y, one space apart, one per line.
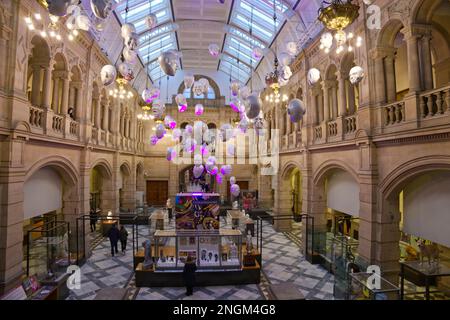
198 109
154 140
235 104
219 178
182 107
204 149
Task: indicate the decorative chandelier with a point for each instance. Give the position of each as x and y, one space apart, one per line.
121 92
276 98
272 78
337 15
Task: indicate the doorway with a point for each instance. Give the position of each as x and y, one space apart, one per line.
157 192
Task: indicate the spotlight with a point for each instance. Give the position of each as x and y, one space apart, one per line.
28 20
37 16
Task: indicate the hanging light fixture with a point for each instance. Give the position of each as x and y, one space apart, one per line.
272 78
147 94
336 16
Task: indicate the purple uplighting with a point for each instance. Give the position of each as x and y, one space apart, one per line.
182 107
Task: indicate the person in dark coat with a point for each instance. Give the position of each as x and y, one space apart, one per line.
114 236
93 219
189 275
123 238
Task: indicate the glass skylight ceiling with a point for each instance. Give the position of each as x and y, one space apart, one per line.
239 44
161 38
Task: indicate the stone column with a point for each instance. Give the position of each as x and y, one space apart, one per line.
380 86
427 63
129 192
65 96
283 205
288 124
12 178
413 60
55 98
98 116
47 87
122 124
315 112
351 99
105 117
36 85
342 97
390 78
72 95
326 101
79 102
334 99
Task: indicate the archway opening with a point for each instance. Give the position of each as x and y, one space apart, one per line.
420 207
49 200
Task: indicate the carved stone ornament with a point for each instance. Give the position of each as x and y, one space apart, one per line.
400 8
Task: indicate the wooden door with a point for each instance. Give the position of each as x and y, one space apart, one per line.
157 192
243 185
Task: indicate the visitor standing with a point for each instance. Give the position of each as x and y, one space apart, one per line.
114 236
93 219
189 275
123 234
169 209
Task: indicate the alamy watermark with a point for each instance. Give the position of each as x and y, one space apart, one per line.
74 280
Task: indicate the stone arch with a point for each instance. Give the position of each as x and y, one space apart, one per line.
422 10
389 203
103 198
387 34
126 165
65 169
38 64
325 168
408 170
105 167
127 189
288 167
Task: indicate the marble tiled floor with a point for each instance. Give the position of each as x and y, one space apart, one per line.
282 262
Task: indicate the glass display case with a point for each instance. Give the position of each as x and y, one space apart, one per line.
47 250
359 288
221 251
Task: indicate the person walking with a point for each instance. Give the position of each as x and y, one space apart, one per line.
93 220
189 275
169 209
114 235
123 238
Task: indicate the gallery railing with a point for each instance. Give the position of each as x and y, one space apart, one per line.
309 249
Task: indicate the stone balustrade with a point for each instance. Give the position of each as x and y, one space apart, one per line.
73 128
394 113
350 124
36 118
317 133
58 124
435 102
332 128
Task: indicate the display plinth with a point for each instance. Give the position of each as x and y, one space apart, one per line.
152 278
218 253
